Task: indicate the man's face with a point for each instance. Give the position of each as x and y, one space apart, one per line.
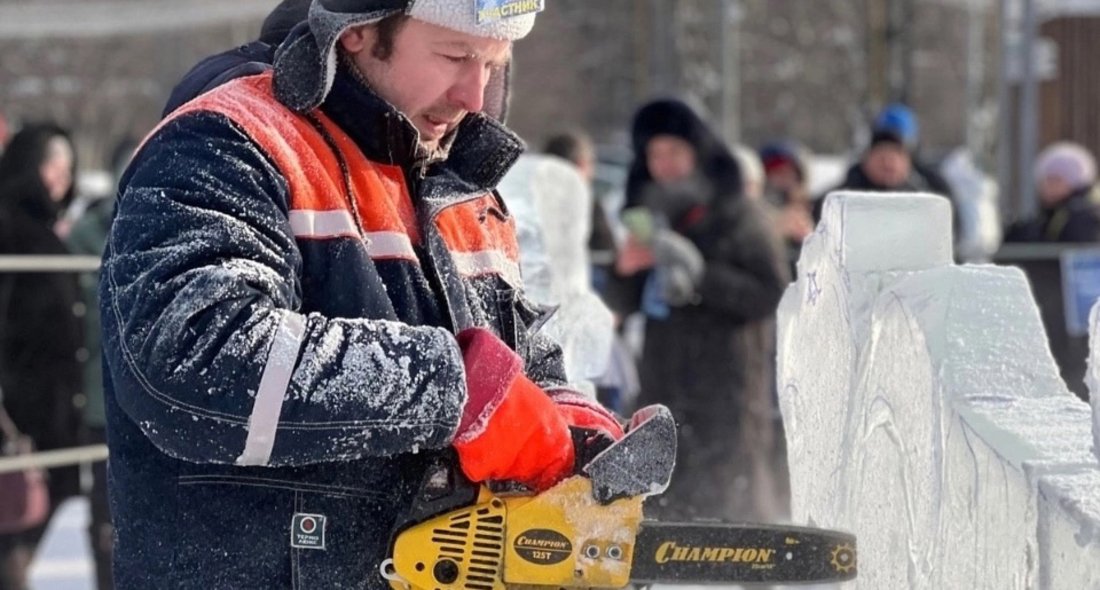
887 164
669 159
784 178
434 76
586 164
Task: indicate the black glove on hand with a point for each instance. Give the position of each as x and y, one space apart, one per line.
680 265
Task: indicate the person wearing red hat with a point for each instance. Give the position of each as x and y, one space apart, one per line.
786 187
311 289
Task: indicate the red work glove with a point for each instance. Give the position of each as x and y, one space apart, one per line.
510 429
582 412
594 428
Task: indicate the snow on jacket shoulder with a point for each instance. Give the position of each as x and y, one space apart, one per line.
226 239
207 330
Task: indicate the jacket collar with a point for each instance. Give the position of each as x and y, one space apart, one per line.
481 152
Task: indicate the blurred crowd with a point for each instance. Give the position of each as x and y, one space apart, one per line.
690 253
695 252
50 371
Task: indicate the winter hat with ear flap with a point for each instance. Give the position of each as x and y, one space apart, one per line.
306 62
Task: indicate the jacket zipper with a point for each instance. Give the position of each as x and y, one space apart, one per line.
414 181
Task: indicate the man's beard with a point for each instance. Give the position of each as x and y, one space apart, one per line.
441 147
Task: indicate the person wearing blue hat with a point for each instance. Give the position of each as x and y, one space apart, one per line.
900 122
890 162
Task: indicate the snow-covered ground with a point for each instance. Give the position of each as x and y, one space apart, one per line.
64 559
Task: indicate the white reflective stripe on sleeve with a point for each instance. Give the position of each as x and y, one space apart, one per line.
322 224
389 244
264 421
472 264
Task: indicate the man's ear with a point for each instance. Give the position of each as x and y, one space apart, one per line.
357 39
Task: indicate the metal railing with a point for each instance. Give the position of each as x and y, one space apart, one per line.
49 264
58 457
82 264
1022 252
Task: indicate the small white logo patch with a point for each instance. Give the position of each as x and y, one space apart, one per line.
307 531
495 10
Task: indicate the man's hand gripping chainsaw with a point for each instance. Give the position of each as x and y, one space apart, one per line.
588 531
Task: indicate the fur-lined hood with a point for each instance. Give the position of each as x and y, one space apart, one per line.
714 159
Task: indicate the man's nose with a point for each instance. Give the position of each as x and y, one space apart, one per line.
469 91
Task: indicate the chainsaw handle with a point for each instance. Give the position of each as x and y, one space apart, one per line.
445 486
587 444
442 488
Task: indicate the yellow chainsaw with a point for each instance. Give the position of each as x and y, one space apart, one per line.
589 532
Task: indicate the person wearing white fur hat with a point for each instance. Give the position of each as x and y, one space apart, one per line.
311 291
1069 199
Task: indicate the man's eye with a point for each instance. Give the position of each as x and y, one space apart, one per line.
455 58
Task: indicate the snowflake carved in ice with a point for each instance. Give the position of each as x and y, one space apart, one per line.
813 288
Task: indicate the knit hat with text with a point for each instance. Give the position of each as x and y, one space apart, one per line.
306 63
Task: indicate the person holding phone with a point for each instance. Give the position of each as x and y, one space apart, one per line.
707 269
